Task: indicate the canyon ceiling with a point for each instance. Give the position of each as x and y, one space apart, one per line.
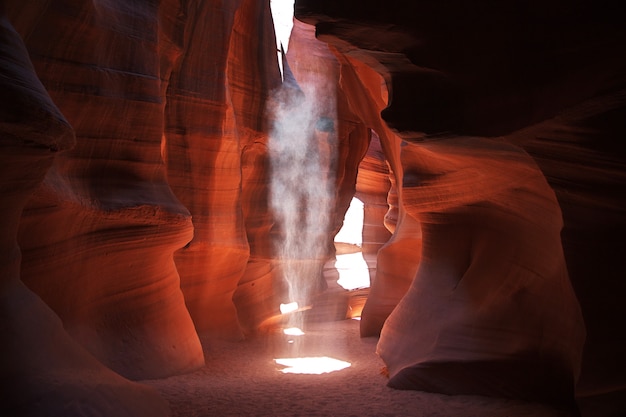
486 139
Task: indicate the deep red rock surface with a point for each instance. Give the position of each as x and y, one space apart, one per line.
485 139
98 235
42 369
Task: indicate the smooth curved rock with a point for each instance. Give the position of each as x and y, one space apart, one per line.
496 71
491 310
582 154
372 187
366 95
99 234
203 162
42 370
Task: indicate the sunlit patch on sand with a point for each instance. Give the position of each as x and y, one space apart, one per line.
311 365
293 331
288 307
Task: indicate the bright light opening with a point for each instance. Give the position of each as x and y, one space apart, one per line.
288 307
311 365
349 262
352 230
353 271
282 14
293 331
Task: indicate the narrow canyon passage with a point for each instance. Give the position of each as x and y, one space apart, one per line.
170 190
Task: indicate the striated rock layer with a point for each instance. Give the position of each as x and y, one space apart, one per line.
215 133
42 370
510 173
253 77
398 257
156 99
372 187
500 126
99 234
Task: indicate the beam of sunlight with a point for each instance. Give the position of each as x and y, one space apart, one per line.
302 156
311 365
282 14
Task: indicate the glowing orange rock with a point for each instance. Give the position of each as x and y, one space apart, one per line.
98 236
44 371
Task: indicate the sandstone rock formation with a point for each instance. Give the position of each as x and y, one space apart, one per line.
43 371
491 308
373 187
159 95
484 139
396 263
99 234
137 84
487 189
215 113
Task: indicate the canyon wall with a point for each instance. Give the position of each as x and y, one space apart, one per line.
137 181
123 187
215 112
484 140
501 131
43 370
99 234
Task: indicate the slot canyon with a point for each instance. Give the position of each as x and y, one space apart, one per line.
175 187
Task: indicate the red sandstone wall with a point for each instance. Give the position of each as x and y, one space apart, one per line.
215 133
162 98
504 162
467 96
44 371
98 236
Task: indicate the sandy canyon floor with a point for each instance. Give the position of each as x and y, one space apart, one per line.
243 379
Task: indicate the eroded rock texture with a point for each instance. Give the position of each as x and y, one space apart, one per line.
502 184
372 187
215 142
367 97
157 94
498 210
43 371
99 234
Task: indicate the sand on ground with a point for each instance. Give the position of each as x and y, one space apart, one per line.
242 379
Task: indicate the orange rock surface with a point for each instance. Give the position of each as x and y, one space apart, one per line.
44 371
485 140
99 234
